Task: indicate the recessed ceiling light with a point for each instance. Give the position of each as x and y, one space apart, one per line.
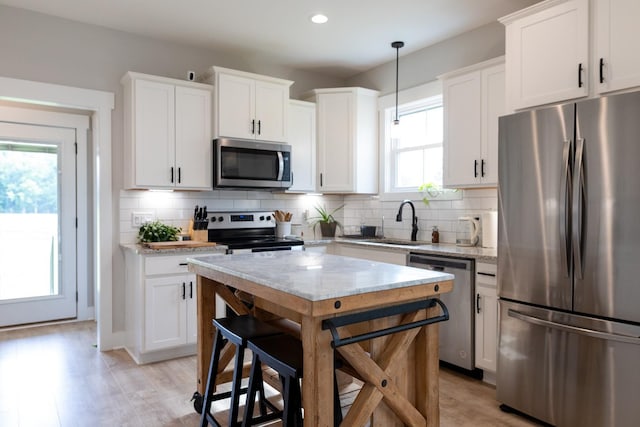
319 18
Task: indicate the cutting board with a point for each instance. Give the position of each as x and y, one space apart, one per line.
178 244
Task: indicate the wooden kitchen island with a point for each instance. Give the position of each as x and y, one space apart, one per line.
399 370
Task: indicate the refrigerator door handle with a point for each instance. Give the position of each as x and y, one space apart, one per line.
565 200
578 207
574 329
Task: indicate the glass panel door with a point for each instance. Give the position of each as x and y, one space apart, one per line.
37 224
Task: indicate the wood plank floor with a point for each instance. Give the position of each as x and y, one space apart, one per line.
54 376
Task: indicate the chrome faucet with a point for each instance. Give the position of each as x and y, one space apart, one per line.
414 219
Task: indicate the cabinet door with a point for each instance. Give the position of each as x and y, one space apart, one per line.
493 106
154 134
486 327
192 307
271 111
462 130
547 55
617 32
391 257
193 138
302 137
335 142
165 312
235 106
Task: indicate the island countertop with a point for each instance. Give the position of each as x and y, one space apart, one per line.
316 276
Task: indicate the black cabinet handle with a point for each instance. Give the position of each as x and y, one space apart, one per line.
183 264
191 290
179 175
172 174
475 168
478 303
601 70
482 168
253 126
320 180
259 126
580 74
184 291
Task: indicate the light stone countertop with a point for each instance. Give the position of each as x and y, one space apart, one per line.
141 250
489 255
316 276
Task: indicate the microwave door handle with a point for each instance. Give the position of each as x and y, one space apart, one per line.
280 165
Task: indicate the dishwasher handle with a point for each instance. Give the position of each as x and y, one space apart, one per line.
435 267
421 261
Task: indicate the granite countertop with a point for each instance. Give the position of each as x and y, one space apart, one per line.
141 250
316 276
489 255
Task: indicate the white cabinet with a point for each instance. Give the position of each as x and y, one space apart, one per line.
380 255
474 98
302 138
167 133
616 63
347 123
249 106
547 53
486 317
161 303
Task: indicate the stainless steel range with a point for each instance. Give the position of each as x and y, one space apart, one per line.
245 232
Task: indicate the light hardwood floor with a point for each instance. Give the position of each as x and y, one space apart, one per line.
54 376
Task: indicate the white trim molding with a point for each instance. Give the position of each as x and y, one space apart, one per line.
99 104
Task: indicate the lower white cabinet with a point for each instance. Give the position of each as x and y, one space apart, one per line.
486 317
161 304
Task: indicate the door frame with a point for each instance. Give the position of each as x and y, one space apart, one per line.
99 106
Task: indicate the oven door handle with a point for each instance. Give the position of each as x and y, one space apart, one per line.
280 166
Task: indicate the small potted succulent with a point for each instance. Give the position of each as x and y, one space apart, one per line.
326 220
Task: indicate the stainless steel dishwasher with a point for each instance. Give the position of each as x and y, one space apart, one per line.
456 334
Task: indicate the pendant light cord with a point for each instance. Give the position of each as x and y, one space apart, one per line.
397 46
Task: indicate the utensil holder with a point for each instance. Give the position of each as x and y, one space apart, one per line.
283 229
198 235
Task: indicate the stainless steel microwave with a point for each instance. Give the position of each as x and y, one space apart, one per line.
244 163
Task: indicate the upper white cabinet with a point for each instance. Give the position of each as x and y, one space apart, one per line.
249 106
547 53
347 140
302 138
474 98
167 133
616 62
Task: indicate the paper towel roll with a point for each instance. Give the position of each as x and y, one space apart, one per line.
490 229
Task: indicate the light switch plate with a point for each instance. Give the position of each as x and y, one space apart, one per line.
140 218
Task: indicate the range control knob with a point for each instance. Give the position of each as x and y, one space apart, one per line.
269 218
262 218
213 219
220 218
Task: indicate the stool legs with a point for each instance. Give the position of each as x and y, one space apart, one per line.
219 343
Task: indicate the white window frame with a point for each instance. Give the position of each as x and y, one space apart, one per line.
428 93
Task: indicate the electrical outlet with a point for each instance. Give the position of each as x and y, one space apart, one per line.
140 218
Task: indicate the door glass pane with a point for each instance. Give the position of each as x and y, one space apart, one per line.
28 220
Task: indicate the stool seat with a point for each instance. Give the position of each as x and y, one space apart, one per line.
237 330
283 353
240 329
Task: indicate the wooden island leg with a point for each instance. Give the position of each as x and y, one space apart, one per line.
206 311
427 371
317 381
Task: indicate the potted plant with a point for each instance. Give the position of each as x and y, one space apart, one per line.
327 222
158 232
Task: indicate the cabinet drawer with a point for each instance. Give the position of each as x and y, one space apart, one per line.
486 274
174 264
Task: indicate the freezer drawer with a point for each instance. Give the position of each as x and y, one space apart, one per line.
568 370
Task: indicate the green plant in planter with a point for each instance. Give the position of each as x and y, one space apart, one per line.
158 232
326 221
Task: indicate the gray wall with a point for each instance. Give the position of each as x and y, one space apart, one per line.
37 47
426 64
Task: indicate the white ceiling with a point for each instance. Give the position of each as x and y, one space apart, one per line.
357 37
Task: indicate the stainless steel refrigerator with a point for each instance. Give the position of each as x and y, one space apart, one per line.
569 262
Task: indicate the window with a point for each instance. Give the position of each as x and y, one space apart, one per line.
414 146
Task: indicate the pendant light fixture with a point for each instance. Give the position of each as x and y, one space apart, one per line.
397 46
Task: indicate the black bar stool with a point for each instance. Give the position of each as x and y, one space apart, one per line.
283 353
237 330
